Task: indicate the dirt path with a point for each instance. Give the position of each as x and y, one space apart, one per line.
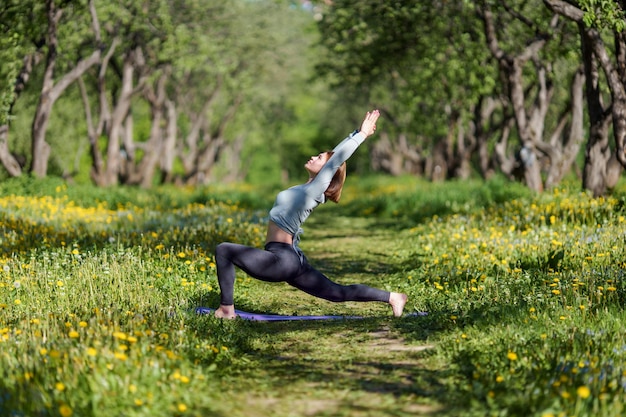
337 368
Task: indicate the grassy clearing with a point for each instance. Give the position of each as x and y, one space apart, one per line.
525 296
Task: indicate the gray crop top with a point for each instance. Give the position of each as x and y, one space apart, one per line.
294 205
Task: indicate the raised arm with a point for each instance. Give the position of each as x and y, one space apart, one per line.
368 128
344 150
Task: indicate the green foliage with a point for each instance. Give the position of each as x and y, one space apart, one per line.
413 58
604 13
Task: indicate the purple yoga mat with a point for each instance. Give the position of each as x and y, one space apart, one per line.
279 317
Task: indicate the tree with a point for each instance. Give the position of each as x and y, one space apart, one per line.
424 65
470 95
602 165
21 44
51 88
529 84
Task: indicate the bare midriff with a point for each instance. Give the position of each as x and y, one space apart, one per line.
276 234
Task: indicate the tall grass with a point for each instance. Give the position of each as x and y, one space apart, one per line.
525 294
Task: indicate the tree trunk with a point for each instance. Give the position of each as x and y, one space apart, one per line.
9 162
567 149
95 131
529 124
12 165
143 172
602 167
169 144
51 91
483 113
601 170
397 157
116 125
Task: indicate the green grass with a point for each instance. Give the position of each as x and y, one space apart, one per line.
525 298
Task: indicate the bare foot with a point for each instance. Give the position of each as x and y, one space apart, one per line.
225 312
397 301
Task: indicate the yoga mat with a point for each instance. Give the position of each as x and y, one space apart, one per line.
279 317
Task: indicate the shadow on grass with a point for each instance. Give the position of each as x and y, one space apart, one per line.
292 359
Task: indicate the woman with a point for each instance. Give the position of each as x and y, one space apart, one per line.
282 259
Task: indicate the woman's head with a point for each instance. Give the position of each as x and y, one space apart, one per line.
315 164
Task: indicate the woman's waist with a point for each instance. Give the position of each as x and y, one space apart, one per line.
276 234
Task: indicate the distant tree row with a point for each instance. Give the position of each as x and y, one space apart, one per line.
507 86
183 67
164 90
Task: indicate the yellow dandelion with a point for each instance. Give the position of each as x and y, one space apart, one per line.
512 356
92 352
583 392
120 335
182 408
65 410
138 402
59 386
499 379
82 324
73 334
120 355
181 254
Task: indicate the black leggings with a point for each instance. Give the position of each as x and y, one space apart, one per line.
281 262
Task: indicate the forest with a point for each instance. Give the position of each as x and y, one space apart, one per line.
188 92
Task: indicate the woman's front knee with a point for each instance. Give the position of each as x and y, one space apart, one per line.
221 250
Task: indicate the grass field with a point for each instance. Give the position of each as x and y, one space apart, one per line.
524 293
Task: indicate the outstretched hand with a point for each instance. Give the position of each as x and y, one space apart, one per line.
368 127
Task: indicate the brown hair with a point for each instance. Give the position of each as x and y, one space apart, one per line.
333 192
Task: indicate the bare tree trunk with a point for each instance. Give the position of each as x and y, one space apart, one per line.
51 91
9 162
602 167
529 124
116 125
397 157
94 132
508 164
566 150
206 156
142 172
169 144
483 113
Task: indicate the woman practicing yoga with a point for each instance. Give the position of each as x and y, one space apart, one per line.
282 259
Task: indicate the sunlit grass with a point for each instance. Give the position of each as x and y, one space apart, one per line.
525 295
